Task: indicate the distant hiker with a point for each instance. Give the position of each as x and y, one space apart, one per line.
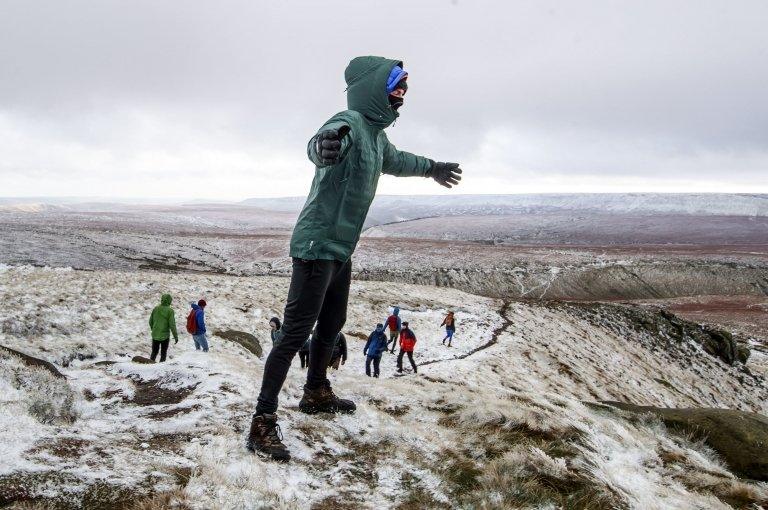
350 152
450 327
162 322
394 325
274 333
304 353
374 347
339 353
407 343
196 325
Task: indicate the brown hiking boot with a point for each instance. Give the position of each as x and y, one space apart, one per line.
265 437
323 400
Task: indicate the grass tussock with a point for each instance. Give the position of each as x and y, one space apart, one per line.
32 505
175 499
725 487
528 477
417 497
48 399
517 455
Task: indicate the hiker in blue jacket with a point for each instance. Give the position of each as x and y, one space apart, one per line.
374 347
201 341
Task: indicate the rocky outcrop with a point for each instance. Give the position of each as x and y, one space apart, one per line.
34 362
663 325
741 438
247 340
609 281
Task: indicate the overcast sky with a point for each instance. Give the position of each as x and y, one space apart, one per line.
218 99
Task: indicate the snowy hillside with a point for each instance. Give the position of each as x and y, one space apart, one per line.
501 420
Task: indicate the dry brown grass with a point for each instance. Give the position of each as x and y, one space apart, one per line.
690 472
516 454
175 499
32 505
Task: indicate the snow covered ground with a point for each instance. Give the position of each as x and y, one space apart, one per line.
501 420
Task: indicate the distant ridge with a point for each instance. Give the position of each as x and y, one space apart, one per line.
393 208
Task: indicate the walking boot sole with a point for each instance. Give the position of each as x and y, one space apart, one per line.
306 409
279 457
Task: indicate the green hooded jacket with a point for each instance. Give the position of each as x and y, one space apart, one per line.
162 321
331 221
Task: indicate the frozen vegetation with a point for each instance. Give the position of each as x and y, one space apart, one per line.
507 418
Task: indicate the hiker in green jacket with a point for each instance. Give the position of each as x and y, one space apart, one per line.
162 322
350 151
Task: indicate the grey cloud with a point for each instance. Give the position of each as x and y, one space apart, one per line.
597 88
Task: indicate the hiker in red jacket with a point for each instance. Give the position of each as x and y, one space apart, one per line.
407 343
395 325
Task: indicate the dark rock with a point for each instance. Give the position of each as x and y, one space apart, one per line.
247 340
718 343
34 362
742 353
741 438
142 359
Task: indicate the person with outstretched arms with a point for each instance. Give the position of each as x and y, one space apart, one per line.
350 152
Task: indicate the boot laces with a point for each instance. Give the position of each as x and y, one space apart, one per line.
331 395
277 432
273 434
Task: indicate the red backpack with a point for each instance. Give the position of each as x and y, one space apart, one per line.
192 322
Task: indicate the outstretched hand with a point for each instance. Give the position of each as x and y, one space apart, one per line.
446 174
328 145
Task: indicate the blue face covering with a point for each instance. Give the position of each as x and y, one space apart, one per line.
395 76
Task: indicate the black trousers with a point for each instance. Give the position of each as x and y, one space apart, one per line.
376 362
319 291
400 360
160 346
304 358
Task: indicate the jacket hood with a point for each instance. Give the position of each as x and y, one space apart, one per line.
396 311
166 299
366 79
379 329
195 306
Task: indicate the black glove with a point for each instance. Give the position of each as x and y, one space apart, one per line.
177 341
446 174
328 145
